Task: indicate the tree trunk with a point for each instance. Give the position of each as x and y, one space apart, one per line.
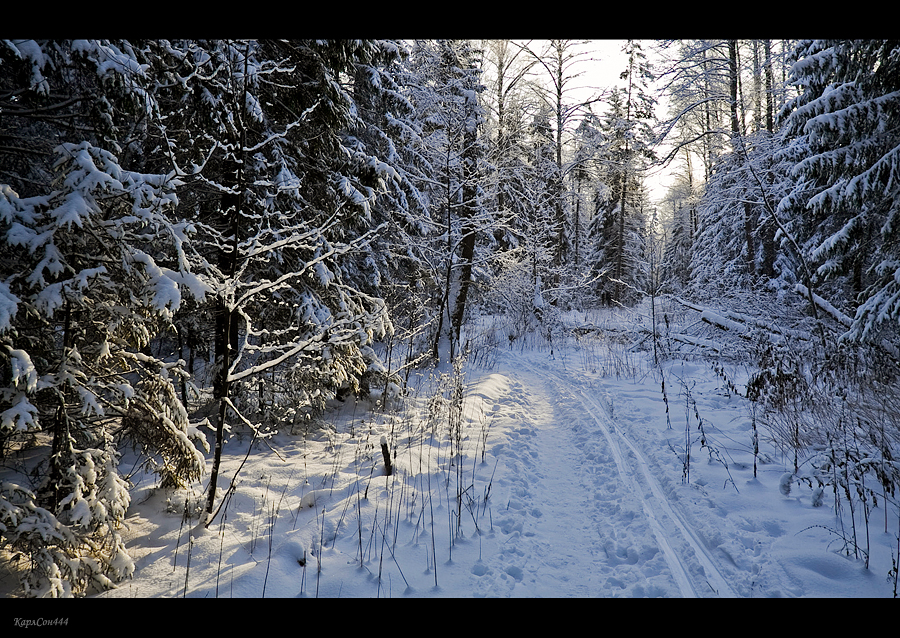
182 384
770 87
620 237
61 448
757 88
576 221
468 213
707 141
501 128
222 387
226 337
559 205
733 88
736 134
445 297
749 229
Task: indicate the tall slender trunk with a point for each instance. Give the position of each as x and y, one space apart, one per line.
61 448
733 87
226 337
559 204
620 248
757 88
770 86
767 228
445 296
707 141
182 384
576 222
468 212
501 132
226 347
736 134
620 235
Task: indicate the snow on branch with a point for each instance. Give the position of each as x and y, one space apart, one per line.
724 323
824 304
741 323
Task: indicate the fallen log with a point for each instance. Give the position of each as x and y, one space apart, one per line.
724 323
741 323
695 341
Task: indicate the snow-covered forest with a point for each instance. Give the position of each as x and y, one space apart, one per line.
291 318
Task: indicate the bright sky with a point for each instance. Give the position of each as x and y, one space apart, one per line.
603 63
605 73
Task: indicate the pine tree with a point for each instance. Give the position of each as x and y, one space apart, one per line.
394 265
588 143
679 209
542 241
388 132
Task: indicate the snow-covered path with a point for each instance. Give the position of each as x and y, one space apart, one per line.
546 508
573 486
584 516
596 460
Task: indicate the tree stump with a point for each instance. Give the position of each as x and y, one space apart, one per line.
386 453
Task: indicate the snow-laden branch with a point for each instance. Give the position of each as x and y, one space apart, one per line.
283 133
268 285
271 363
824 304
740 323
348 328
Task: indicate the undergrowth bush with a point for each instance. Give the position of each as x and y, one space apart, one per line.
836 415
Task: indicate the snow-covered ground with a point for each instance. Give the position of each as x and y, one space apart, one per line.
561 475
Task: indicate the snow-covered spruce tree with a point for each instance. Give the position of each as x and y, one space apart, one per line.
633 134
283 196
679 211
736 248
619 218
544 227
737 221
83 295
394 265
446 97
602 251
386 131
588 142
826 397
845 146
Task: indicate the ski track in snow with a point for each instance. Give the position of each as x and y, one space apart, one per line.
656 505
599 504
